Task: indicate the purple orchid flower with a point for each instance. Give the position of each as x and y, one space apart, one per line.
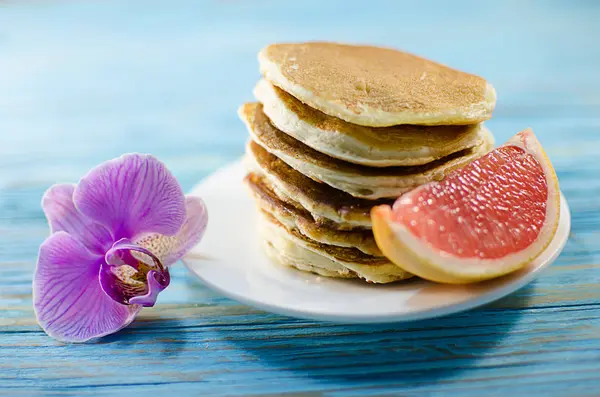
113 237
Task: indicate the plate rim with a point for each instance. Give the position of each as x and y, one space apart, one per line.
471 303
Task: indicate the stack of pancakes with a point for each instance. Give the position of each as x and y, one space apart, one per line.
339 129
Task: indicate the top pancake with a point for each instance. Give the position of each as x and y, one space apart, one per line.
375 86
371 146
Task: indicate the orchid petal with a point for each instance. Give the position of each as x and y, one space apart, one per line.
170 249
132 274
68 300
62 215
130 195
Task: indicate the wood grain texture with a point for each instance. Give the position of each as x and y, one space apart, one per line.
84 82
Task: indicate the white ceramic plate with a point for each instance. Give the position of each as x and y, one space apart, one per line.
230 260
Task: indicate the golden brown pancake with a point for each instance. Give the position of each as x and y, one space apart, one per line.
357 180
328 206
286 252
328 258
371 146
375 86
300 220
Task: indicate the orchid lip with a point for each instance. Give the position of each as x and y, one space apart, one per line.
132 274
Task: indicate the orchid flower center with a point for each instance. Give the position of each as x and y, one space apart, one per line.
132 274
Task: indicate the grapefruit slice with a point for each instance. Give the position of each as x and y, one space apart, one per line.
485 220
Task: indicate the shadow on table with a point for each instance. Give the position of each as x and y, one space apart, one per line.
142 337
360 355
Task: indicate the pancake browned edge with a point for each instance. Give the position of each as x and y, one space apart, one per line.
286 252
357 180
375 86
299 219
401 145
328 206
370 268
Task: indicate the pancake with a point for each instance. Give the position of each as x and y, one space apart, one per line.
291 248
371 146
357 180
300 220
377 87
327 206
287 253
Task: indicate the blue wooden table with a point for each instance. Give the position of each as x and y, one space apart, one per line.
83 82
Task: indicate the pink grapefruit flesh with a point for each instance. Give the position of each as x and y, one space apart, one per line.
489 218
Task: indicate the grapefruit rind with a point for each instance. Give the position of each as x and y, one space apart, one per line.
415 256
